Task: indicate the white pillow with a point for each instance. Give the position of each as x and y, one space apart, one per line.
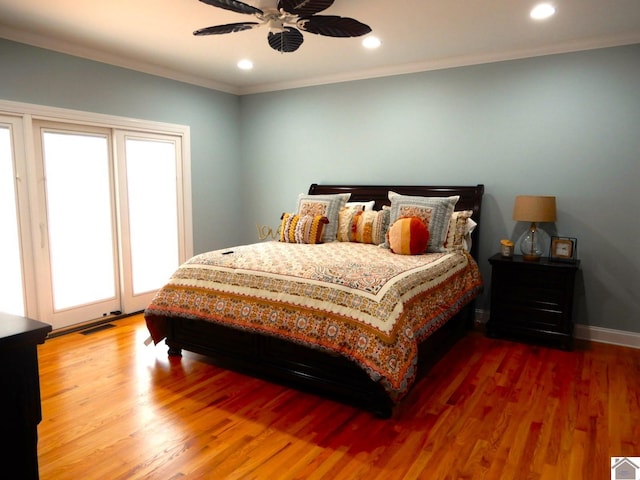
471 226
366 206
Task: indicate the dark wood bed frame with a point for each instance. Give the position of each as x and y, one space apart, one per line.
317 371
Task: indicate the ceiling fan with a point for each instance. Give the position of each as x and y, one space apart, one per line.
286 21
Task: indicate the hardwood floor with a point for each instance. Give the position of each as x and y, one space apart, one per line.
114 408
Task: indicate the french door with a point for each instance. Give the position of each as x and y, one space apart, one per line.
12 192
102 225
150 214
78 234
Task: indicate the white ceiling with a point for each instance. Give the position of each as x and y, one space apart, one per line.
155 36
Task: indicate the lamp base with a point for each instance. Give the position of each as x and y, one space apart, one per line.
531 258
531 245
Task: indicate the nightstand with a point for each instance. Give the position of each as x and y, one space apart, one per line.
532 300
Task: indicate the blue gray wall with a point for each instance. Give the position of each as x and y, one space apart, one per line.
564 125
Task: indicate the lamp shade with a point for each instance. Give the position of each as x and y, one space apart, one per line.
534 208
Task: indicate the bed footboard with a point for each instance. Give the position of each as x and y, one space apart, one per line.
280 361
297 366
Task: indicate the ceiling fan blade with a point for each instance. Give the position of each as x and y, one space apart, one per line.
304 7
228 28
333 26
234 6
286 41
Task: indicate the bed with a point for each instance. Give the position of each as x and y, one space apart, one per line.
348 320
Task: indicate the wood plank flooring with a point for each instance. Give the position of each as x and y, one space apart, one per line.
114 408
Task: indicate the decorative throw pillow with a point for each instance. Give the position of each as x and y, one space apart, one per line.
324 205
408 236
437 209
347 221
302 229
372 226
458 230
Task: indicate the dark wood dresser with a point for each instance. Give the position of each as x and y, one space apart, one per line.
20 395
532 300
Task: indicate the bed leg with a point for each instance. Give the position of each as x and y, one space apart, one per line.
383 412
470 313
174 351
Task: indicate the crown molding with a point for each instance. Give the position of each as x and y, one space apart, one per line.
387 71
445 63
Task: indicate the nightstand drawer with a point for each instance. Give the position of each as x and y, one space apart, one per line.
531 278
523 316
534 296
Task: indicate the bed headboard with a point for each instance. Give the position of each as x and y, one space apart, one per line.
470 198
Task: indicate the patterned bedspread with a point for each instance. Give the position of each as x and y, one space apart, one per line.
357 300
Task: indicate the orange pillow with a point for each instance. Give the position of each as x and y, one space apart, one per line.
408 236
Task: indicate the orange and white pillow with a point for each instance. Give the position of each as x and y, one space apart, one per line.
302 228
369 226
408 236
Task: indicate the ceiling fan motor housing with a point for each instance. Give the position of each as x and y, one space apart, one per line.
286 21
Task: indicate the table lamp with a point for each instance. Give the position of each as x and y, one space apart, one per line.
533 208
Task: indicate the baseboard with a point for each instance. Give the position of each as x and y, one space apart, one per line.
89 324
607 335
586 332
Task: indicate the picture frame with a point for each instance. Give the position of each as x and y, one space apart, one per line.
563 249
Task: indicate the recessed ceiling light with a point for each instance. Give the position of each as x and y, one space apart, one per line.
371 42
542 11
245 64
